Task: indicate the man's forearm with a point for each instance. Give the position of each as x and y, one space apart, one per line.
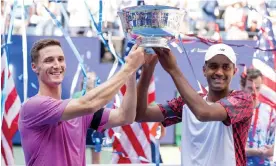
189 95
128 106
142 92
252 152
101 95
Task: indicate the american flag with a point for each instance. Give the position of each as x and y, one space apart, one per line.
265 61
135 139
11 113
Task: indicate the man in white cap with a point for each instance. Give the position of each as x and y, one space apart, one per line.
215 125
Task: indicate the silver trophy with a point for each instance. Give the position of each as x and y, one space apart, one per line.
156 24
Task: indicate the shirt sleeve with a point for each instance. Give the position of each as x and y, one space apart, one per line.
239 107
172 111
43 110
99 119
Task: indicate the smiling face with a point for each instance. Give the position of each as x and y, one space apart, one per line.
50 65
219 72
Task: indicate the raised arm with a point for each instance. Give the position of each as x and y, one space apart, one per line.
168 113
225 110
101 95
126 113
144 112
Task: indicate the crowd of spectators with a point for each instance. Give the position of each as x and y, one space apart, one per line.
229 20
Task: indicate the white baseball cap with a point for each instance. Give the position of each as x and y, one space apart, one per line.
222 49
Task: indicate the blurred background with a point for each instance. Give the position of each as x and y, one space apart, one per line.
204 18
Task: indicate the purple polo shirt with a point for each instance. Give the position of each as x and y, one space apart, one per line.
46 140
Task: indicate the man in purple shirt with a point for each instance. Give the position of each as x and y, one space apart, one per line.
53 131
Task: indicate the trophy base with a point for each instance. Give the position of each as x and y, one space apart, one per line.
149 42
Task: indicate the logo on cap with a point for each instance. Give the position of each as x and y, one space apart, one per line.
222 49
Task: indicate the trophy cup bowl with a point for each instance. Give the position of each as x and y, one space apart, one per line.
156 24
